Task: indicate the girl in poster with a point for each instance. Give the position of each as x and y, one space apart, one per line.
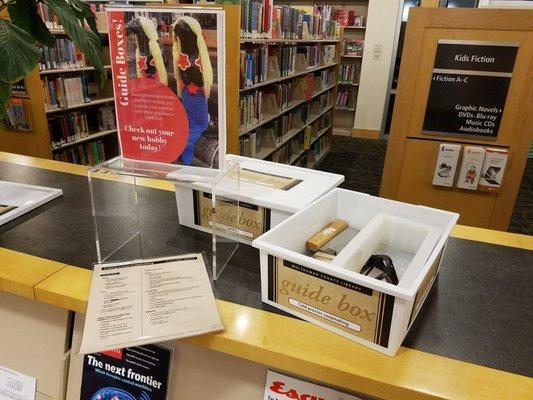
148 57
194 77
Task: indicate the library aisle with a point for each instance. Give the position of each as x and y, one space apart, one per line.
266 199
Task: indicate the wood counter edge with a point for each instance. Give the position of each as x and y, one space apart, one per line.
303 349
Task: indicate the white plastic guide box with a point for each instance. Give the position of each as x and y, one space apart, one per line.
335 295
268 194
17 199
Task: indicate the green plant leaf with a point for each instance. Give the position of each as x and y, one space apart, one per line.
84 12
86 40
18 54
24 14
5 92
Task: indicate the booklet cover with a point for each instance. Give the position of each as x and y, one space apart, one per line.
133 373
168 76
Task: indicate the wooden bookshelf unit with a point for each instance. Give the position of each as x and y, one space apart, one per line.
353 33
288 88
38 141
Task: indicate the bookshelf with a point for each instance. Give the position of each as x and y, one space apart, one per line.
288 83
73 128
353 17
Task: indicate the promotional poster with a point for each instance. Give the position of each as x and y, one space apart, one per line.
168 76
134 373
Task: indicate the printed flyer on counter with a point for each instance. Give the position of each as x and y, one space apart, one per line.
134 373
15 385
168 74
147 301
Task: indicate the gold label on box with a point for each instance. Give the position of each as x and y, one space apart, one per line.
265 179
249 222
345 305
6 208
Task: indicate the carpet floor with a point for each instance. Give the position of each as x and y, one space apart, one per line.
361 162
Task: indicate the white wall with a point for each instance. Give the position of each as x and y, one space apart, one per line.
380 33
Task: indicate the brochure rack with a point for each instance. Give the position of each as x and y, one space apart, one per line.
120 210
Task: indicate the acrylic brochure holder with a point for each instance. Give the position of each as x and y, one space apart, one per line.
132 219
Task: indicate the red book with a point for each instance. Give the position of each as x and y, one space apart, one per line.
342 17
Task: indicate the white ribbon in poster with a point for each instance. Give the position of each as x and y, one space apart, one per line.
282 387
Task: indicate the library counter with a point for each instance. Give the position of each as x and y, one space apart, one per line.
467 342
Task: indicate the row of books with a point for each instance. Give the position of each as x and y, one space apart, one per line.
254 64
68 128
247 145
73 126
65 92
293 22
277 97
320 103
289 152
90 153
65 54
251 109
18 115
19 88
283 93
286 56
312 55
320 146
50 19
267 138
354 47
344 99
256 18
349 73
312 131
348 18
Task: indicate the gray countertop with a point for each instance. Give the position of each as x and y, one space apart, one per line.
480 309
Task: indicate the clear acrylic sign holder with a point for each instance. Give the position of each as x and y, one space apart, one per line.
128 219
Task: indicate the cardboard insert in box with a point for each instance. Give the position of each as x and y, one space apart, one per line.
335 295
268 194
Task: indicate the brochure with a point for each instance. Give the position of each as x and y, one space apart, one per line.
147 301
142 372
15 385
168 76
